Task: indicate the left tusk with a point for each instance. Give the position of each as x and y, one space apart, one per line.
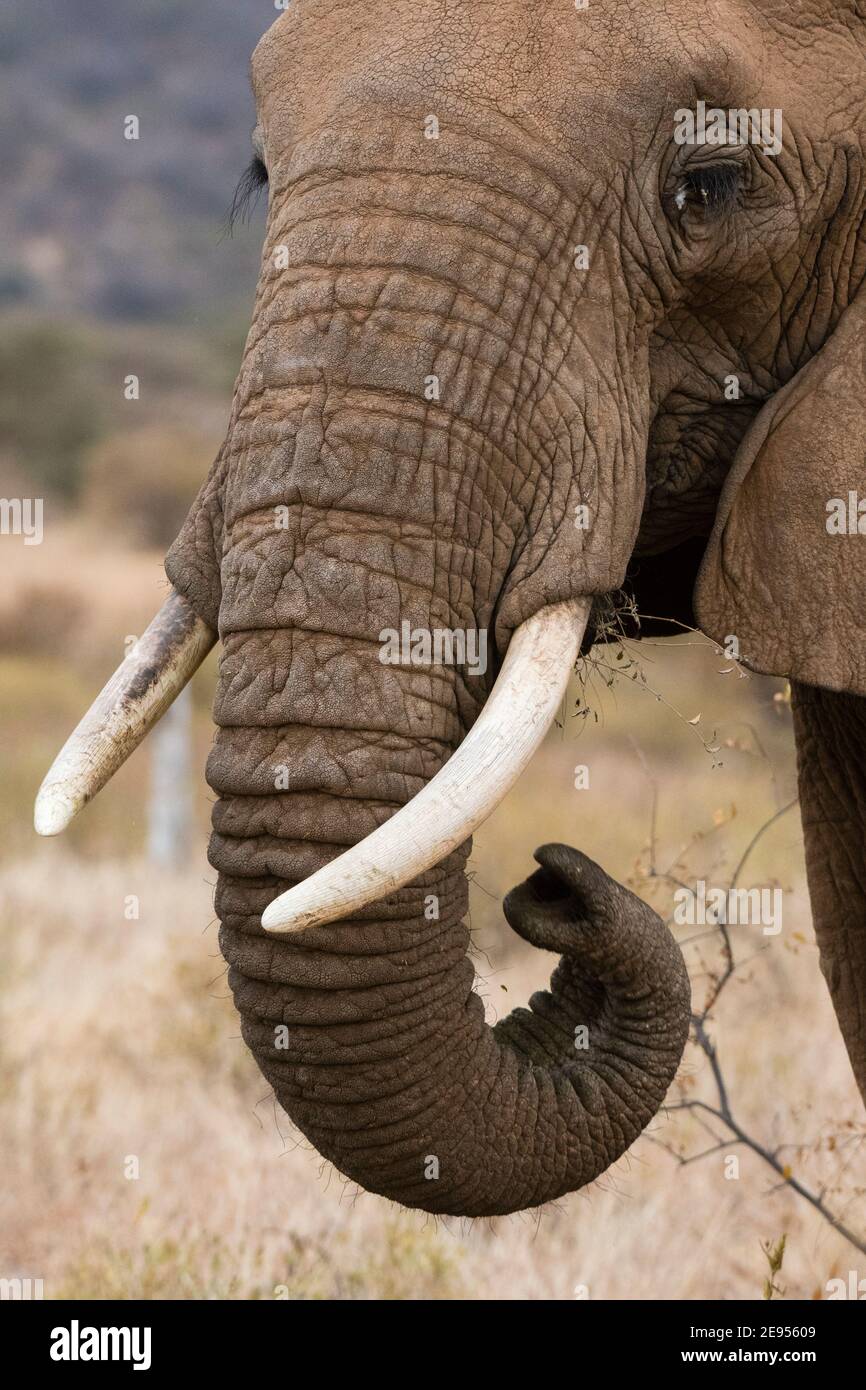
500 744
160 664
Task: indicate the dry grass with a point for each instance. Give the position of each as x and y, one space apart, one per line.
119 1040
79 593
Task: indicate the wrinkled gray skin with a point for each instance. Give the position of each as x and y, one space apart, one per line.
406 257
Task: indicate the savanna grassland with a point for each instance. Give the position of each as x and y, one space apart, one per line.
121 1051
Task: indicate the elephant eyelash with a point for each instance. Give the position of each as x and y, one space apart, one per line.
713 189
247 194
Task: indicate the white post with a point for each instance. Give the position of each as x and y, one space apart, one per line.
169 819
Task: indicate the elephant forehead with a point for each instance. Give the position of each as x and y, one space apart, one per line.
538 65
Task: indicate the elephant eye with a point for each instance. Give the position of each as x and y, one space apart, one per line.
246 196
712 189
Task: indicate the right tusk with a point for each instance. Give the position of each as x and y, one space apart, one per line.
517 715
158 667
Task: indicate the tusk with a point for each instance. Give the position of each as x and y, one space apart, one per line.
158 667
520 710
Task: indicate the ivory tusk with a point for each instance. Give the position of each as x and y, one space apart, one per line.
517 715
159 666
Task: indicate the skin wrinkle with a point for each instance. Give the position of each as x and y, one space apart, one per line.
454 184
395 393
403 571
539 208
559 387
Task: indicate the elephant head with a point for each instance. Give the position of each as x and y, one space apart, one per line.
529 328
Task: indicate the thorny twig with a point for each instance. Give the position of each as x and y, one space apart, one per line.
722 1112
770 1157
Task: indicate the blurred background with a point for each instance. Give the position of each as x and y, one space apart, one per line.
142 1153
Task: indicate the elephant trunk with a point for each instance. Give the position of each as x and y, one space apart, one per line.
369 1030
830 731
412 446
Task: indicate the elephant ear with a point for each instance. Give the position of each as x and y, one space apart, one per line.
785 568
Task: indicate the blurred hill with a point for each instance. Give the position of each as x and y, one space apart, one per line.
91 222
114 257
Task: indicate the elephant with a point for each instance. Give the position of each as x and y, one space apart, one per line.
557 303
